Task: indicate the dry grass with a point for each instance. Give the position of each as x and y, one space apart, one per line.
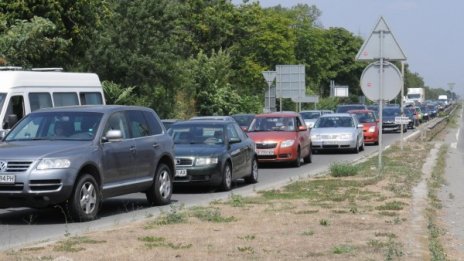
364 217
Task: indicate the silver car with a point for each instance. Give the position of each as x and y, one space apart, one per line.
78 156
338 131
310 117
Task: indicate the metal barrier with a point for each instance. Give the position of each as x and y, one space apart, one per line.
437 126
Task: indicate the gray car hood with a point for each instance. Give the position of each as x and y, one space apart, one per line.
40 149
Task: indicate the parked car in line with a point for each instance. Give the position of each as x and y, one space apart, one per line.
281 137
169 122
389 113
370 125
338 131
411 114
342 108
310 117
78 156
213 152
244 120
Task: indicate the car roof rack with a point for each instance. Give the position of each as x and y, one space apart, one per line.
10 68
51 69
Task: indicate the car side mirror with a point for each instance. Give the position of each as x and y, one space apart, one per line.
234 140
360 126
113 136
302 128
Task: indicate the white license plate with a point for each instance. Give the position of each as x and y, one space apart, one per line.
265 152
181 172
7 179
330 142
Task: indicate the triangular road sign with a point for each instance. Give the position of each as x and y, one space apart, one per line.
391 50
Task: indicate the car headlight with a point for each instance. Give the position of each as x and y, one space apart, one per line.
371 129
53 164
287 143
344 136
202 161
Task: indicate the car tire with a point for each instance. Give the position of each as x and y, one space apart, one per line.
226 183
85 199
253 178
308 158
362 146
297 162
160 191
356 147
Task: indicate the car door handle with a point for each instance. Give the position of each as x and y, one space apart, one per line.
156 145
132 149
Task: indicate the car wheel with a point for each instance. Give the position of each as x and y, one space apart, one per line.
160 191
308 158
85 199
297 162
356 147
362 146
253 178
226 184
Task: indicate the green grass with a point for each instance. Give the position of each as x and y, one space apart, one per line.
210 214
392 205
343 169
342 249
74 244
153 242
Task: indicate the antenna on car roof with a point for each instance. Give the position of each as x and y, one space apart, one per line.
56 69
10 68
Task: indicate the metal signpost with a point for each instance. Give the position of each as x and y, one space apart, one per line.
290 82
381 46
269 76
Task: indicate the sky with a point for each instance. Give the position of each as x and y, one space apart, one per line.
430 32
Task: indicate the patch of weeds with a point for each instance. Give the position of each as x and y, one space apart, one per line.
152 242
376 245
304 212
72 244
236 201
248 237
353 210
388 213
246 249
342 249
175 216
31 249
343 169
324 222
393 251
392 205
308 233
385 234
340 211
210 215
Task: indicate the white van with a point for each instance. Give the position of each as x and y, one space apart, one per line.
22 92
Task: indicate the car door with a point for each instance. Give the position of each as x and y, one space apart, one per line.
237 151
303 137
118 158
248 150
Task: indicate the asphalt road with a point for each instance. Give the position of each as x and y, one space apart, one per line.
19 227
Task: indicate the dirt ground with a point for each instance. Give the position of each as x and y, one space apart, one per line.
365 217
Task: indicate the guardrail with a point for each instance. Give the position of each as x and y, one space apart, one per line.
435 127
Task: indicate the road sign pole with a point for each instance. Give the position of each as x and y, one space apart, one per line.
269 96
381 102
401 101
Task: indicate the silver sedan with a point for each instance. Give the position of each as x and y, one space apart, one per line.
339 131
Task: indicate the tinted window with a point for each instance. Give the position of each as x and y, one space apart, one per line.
210 134
137 124
117 121
153 124
40 100
65 99
91 98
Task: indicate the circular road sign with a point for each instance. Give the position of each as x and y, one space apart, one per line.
370 81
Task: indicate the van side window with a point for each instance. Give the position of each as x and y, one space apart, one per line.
40 100
65 99
91 98
14 111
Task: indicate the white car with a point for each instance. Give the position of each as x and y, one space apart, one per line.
338 131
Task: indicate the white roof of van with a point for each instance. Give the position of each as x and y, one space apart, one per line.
11 79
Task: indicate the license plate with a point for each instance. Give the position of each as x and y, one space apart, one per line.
330 142
181 172
7 179
265 152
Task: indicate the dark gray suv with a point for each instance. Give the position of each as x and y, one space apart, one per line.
78 156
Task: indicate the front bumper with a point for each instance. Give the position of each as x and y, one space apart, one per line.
333 144
210 174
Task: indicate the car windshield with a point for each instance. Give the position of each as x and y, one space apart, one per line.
334 122
391 112
365 117
56 126
273 124
209 134
310 115
243 120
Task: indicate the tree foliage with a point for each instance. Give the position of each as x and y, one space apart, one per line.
182 57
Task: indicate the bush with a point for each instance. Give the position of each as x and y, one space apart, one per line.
343 170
